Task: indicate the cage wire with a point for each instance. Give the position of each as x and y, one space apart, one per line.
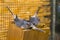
16 8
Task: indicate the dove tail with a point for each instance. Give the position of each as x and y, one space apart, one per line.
9 10
37 10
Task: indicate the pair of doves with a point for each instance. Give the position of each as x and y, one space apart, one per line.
30 24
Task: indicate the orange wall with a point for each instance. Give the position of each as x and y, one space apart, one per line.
23 8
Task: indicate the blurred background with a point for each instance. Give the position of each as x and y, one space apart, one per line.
23 8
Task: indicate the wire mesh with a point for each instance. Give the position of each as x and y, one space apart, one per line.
23 8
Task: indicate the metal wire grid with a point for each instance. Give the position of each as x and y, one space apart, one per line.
5 18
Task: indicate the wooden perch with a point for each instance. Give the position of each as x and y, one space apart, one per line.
16 33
